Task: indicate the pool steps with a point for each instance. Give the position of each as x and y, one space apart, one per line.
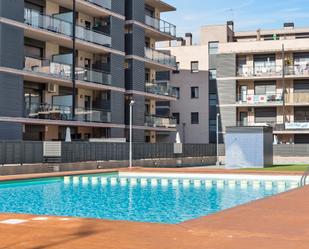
208 183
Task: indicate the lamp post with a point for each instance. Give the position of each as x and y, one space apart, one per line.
217 140
130 139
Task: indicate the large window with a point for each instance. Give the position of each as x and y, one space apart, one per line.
194 92
194 118
176 115
194 67
212 99
301 114
177 92
265 115
263 62
265 88
213 47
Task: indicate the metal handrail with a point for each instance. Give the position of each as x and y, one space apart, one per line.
303 179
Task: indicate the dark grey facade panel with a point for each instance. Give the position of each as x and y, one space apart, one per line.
117 107
135 42
135 10
12 9
11 105
118 6
139 110
135 75
226 91
117 133
11 46
117 33
138 136
226 65
117 70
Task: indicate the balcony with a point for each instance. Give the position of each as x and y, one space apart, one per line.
64 71
160 57
161 89
297 98
280 126
64 113
107 4
252 99
259 71
161 25
61 25
160 122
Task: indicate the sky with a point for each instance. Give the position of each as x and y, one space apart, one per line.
246 14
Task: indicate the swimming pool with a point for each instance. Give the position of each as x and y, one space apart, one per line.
144 197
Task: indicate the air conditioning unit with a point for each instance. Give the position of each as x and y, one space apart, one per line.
51 88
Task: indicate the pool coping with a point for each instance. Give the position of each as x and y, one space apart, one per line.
224 229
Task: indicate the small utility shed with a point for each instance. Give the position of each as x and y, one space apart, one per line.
248 147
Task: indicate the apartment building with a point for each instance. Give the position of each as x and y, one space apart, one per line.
263 79
78 64
252 78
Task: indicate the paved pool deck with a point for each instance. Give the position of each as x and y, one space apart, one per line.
278 222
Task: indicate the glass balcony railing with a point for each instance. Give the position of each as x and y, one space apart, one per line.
160 122
160 57
107 4
259 71
161 89
267 98
273 70
60 25
60 112
160 25
64 71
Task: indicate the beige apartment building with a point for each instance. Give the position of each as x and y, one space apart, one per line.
254 78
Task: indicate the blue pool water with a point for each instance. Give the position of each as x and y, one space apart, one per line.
112 197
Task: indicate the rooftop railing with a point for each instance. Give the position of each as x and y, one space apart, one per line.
61 112
160 57
160 122
64 27
64 71
107 4
161 89
160 25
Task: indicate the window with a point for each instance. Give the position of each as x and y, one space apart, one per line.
194 92
177 92
177 68
176 115
194 66
213 47
212 99
194 118
264 88
212 74
265 115
212 125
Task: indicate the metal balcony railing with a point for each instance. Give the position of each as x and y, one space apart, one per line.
160 25
64 71
161 89
260 99
107 4
160 122
160 57
61 112
278 126
297 98
62 26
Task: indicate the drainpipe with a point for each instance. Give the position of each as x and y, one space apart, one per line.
74 61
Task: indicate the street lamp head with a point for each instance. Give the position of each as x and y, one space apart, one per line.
132 102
